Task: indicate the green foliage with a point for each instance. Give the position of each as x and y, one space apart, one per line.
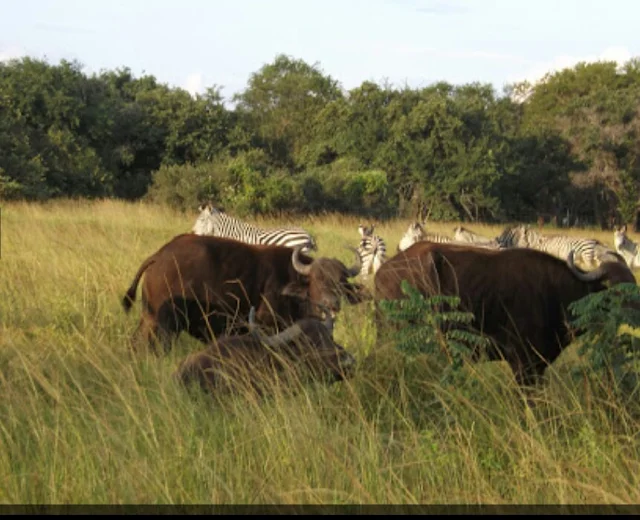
279 104
628 202
432 325
295 142
185 187
609 348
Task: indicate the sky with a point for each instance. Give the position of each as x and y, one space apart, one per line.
195 44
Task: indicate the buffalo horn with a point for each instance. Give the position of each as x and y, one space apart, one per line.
298 265
282 339
591 276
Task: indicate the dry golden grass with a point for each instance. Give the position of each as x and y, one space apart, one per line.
84 421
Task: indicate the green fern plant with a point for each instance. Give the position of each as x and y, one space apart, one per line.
607 348
432 325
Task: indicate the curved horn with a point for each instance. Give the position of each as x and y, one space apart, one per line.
355 269
591 276
283 338
298 265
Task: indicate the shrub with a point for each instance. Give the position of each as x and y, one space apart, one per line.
186 186
606 321
433 325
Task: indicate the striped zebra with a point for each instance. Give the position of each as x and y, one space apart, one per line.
514 236
214 221
626 247
416 233
464 235
588 251
372 251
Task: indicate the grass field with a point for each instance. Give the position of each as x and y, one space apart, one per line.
84 421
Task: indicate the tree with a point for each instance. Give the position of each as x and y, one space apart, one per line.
280 104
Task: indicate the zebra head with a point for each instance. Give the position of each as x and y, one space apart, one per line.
206 207
515 236
620 236
366 231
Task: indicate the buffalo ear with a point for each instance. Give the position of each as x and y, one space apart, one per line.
296 290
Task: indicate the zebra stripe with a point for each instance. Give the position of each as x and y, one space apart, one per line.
216 222
372 251
513 237
589 251
626 247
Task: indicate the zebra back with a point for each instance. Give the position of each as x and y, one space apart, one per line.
584 249
439 239
218 223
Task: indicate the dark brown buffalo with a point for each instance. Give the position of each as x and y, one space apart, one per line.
253 360
519 297
200 283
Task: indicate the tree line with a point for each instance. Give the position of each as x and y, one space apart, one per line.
564 149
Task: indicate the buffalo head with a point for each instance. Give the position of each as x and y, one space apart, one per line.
325 281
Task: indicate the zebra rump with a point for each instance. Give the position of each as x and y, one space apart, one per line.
588 251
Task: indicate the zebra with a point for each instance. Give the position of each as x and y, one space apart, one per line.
513 236
626 247
204 222
416 233
461 234
372 250
215 221
589 251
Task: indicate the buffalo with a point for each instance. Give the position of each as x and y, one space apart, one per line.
252 360
200 283
519 297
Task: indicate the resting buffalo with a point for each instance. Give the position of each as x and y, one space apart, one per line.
519 297
251 360
200 283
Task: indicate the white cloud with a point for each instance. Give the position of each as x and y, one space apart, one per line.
537 72
194 84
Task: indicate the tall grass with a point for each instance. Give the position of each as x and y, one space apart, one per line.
83 420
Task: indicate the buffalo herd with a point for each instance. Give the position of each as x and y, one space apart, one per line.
208 286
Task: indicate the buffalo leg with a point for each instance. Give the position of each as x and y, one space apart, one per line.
152 333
